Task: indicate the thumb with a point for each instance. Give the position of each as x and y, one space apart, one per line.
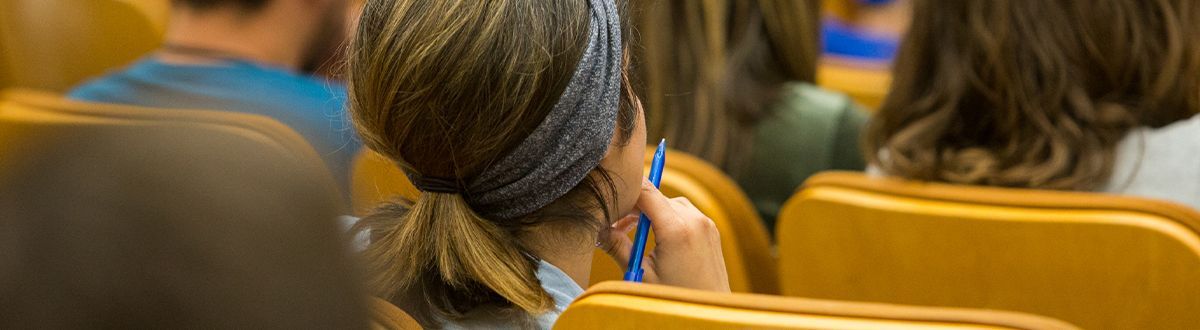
615 240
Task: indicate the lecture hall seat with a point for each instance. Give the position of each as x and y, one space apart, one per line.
866 83
27 115
841 9
385 316
621 305
158 12
56 44
1097 261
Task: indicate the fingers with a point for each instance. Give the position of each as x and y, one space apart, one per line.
658 208
615 240
624 225
683 201
686 210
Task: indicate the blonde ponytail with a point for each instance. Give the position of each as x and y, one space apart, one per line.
438 249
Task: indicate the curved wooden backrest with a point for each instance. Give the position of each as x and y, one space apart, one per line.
1098 261
28 114
867 83
621 305
385 316
844 10
744 240
56 44
375 180
158 12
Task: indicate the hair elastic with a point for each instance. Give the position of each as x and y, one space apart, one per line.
436 184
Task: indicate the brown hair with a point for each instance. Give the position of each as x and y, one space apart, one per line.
1034 93
209 232
444 88
710 69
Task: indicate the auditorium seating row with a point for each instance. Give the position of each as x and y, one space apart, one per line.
850 251
842 237
849 236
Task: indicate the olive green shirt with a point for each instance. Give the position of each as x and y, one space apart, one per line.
811 130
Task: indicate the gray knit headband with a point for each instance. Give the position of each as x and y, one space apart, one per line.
567 145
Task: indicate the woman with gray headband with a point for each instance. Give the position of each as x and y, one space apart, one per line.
515 121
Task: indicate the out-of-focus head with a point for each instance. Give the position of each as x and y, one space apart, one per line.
121 231
453 92
201 5
708 70
325 22
1034 93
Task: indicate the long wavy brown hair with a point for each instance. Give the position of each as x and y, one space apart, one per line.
1034 93
708 70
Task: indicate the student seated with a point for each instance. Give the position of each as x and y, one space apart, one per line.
96 235
515 121
246 56
1069 95
737 90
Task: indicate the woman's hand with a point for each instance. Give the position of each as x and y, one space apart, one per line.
687 251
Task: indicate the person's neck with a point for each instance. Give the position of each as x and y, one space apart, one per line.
256 38
574 258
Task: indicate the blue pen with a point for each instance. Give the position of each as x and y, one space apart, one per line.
633 273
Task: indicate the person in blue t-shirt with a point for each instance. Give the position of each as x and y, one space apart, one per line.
250 56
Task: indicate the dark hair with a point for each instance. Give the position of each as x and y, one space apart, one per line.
149 229
445 88
1034 93
201 5
709 70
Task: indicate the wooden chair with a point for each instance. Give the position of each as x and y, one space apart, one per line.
28 114
180 225
744 240
385 316
867 83
1097 261
621 305
158 12
841 9
56 44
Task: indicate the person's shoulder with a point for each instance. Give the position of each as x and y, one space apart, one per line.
105 88
95 90
300 83
808 101
1159 163
1180 134
1189 126
313 91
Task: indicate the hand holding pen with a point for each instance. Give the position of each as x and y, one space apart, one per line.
687 251
633 269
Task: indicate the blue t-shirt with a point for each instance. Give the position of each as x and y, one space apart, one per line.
311 106
840 39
